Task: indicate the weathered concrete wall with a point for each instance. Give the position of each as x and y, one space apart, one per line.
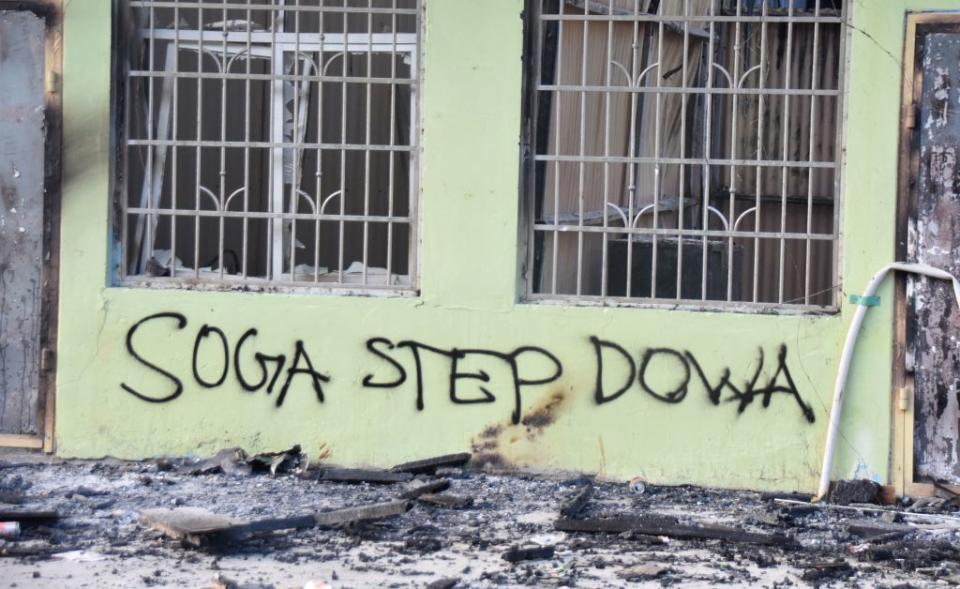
471 124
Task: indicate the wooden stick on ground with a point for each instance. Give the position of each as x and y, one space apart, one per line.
667 526
869 510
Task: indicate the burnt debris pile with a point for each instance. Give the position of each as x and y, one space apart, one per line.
444 522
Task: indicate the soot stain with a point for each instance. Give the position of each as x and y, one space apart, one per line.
545 415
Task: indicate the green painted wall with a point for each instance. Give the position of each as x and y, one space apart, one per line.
471 104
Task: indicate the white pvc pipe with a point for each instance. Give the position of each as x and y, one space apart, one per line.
847 357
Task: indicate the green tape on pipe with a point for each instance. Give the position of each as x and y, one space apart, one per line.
873 301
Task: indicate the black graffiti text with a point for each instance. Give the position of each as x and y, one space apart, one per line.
690 372
212 340
385 350
470 375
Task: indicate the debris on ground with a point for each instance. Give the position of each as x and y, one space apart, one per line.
222 582
577 502
518 553
26 517
353 515
659 525
446 500
430 465
643 572
855 491
428 488
198 527
360 475
278 520
291 460
234 461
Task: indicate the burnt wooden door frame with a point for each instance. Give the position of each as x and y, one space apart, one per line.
51 12
902 400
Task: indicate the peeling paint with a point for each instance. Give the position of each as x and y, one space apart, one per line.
22 38
934 238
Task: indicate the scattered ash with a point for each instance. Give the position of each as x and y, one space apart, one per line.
506 537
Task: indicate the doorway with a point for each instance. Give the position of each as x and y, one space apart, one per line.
926 400
29 219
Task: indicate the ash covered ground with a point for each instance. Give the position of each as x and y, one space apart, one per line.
102 540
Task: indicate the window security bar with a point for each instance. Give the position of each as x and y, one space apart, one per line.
685 152
272 143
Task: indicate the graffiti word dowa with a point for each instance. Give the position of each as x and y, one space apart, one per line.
405 359
687 366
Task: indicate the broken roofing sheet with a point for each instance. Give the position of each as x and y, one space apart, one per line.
279 521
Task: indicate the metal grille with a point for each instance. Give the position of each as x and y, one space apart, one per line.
270 142
686 151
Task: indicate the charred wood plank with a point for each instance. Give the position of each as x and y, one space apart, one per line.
360 475
519 554
614 525
186 522
861 509
430 465
353 515
827 570
877 531
657 525
431 487
243 531
199 527
446 501
29 548
791 496
27 518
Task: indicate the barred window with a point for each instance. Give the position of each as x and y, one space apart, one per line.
269 143
685 151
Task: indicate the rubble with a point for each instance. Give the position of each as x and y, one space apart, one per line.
446 500
855 491
644 572
26 518
257 522
517 554
660 525
430 465
198 527
278 462
235 461
359 475
577 502
836 569
223 582
431 487
353 515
